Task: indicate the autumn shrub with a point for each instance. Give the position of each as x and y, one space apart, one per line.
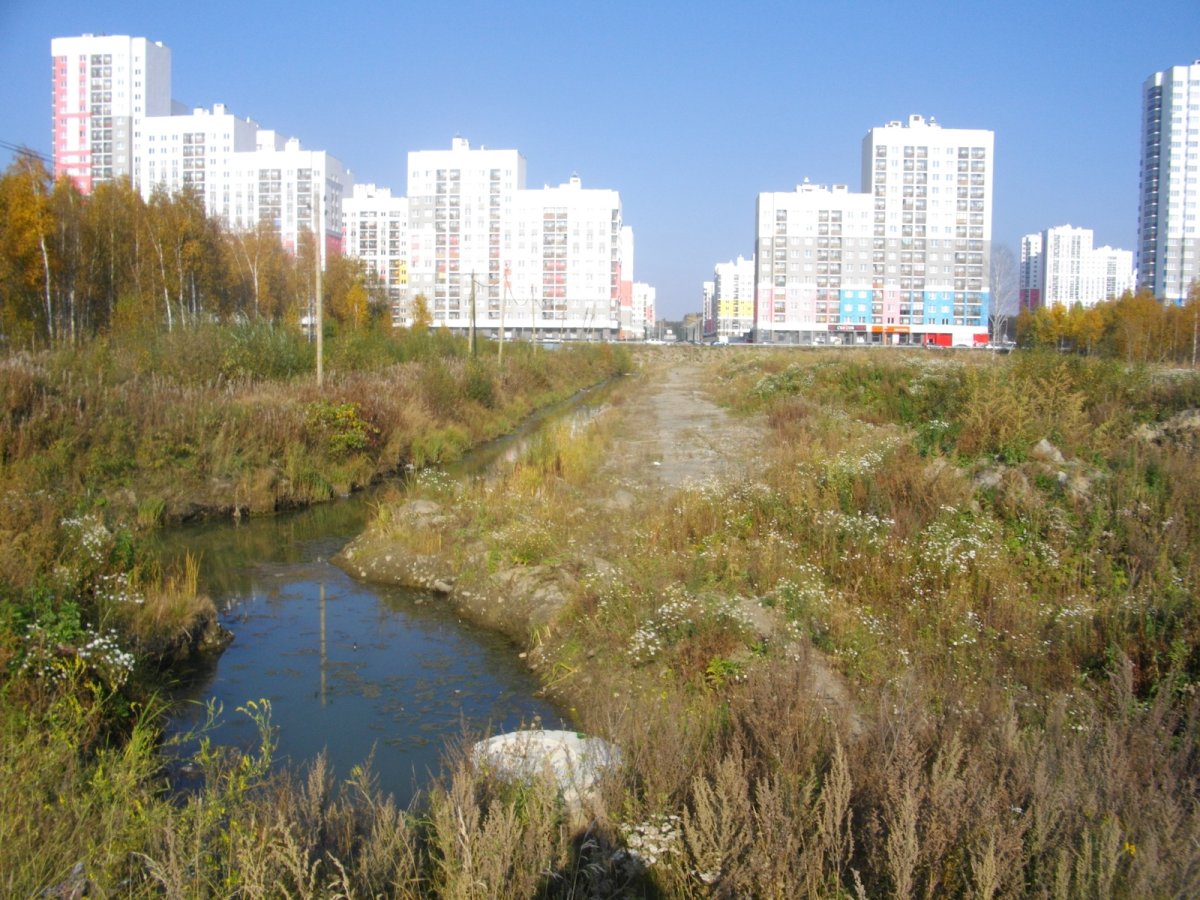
440 446
440 386
365 350
268 352
339 427
478 385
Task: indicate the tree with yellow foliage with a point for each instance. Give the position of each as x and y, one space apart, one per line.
422 318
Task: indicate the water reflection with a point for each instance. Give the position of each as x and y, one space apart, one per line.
350 668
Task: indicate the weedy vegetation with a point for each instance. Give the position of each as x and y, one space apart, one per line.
119 435
942 641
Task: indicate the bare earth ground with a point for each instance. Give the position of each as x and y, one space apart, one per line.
670 436
675 436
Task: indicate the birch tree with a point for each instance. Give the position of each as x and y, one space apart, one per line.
25 266
1002 282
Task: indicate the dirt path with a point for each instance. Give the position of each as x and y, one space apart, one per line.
690 437
674 436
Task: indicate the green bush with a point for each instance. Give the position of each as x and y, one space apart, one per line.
478 385
265 351
365 350
338 428
439 387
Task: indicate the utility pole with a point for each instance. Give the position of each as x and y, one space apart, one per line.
471 330
533 315
1195 330
500 354
318 232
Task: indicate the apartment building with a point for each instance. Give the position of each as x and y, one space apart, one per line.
484 249
645 311
114 117
932 191
733 298
813 252
375 228
195 151
566 256
102 87
904 261
1169 191
1061 266
459 201
708 314
625 285
245 174
1115 271
1029 286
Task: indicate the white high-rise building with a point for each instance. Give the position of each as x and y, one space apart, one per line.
625 284
287 182
566 256
1061 266
1168 239
197 151
375 226
708 292
548 260
932 190
645 313
103 87
458 201
813 264
733 298
1066 255
1114 271
244 174
905 261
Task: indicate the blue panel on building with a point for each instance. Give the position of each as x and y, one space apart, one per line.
854 305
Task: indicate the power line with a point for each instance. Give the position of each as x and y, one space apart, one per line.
25 150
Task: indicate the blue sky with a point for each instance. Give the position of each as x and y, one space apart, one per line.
688 109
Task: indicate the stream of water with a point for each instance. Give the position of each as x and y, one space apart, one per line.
352 669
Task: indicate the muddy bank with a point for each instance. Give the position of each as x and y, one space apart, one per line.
202 639
522 601
515 601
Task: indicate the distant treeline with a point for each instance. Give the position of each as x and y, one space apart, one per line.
75 265
1136 328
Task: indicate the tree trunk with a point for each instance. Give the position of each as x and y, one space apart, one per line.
49 296
162 272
